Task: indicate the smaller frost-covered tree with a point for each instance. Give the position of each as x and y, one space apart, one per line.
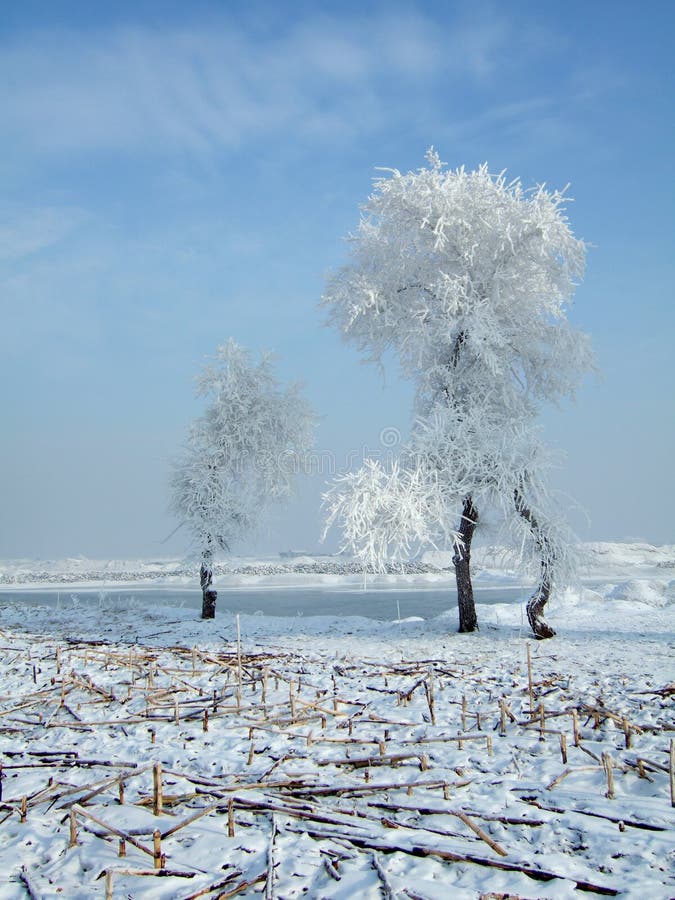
240 457
466 277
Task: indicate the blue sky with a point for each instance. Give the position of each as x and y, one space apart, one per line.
174 174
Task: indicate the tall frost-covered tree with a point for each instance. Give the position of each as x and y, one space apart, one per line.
466 276
240 457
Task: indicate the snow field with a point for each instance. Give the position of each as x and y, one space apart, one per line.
329 757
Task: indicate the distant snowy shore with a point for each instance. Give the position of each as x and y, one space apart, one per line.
598 560
72 571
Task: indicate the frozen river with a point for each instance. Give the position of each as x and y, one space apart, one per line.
375 603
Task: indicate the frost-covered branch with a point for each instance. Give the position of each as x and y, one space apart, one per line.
388 514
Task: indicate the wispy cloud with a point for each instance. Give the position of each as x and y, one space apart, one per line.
197 89
506 115
33 230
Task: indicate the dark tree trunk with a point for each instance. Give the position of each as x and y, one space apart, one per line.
209 595
462 562
537 602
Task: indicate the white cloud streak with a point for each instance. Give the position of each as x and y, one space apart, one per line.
33 230
204 89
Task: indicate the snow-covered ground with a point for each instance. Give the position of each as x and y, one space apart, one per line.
341 757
